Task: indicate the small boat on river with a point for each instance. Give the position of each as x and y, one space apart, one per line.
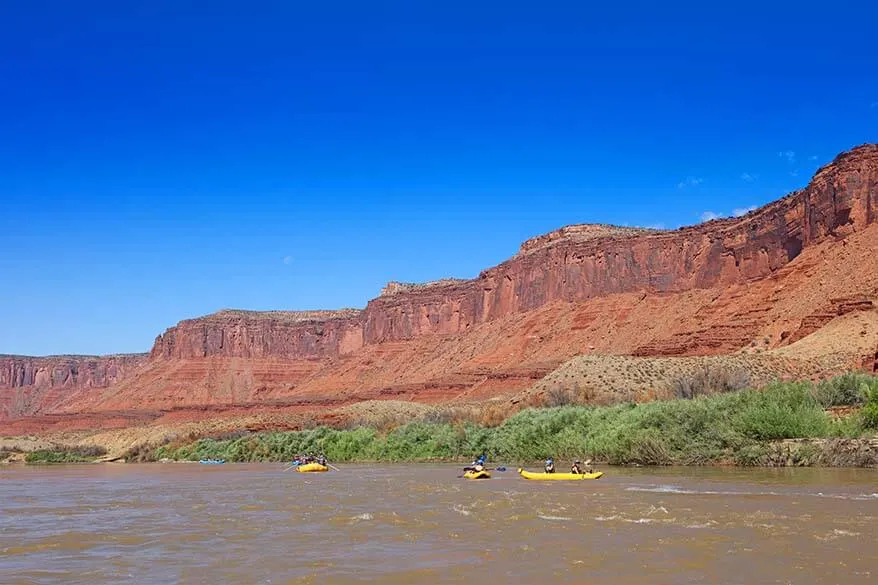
558 476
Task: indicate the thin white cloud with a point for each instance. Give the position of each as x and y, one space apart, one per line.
656 226
812 157
794 173
790 155
738 212
690 182
710 216
288 259
748 177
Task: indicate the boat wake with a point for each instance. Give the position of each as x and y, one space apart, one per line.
672 489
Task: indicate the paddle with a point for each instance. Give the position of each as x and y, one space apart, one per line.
501 468
331 466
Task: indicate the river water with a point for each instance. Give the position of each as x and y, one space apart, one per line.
249 524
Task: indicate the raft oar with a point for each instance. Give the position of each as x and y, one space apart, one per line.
501 468
331 466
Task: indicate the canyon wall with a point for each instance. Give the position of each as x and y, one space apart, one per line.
29 384
293 335
60 371
575 263
582 262
571 264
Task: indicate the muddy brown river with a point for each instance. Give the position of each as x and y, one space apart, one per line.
249 524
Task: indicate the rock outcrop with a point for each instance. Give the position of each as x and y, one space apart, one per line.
257 334
67 370
33 383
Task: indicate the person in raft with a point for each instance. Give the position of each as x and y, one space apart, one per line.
550 465
579 467
321 459
478 464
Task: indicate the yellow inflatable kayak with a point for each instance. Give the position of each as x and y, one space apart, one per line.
311 467
558 476
477 475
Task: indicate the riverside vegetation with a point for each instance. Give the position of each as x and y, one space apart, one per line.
699 426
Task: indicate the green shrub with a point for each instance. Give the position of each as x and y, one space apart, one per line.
66 455
869 414
784 411
846 390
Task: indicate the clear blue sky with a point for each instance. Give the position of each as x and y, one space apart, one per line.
161 160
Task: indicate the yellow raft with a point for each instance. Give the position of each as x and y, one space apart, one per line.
311 467
477 475
558 476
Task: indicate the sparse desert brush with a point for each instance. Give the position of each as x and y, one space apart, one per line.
494 414
708 380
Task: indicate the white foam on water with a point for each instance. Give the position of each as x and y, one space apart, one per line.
672 489
654 510
628 520
461 510
364 516
836 534
561 518
707 524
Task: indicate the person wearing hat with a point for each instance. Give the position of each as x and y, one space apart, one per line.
550 465
586 468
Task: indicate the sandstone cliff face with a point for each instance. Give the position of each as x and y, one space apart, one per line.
80 371
251 334
28 384
583 262
574 263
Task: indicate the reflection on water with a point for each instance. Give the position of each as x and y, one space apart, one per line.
252 524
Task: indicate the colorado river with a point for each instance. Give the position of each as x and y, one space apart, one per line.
248 524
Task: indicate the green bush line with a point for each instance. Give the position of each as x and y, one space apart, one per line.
65 455
731 427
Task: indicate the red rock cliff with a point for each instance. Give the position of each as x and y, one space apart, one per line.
581 262
74 370
259 334
573 263
22 377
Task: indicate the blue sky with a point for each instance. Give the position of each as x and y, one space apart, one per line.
166 160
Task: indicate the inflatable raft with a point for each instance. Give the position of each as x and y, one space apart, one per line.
558 476
477 475
212 461
310 467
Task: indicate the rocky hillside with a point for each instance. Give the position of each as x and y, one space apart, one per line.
752 284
